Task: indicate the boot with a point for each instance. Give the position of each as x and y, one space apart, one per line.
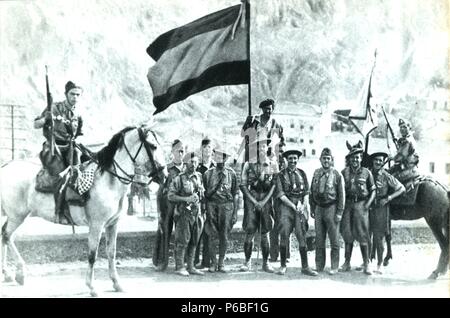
348 255
365 256
320 259
305 267
248 247
334 259
190 261
179 261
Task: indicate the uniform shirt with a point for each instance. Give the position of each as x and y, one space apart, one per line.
291 183
328 186
253 128
385 183
224 181
202 168
406 148
259 176
358 183
185 185
62 125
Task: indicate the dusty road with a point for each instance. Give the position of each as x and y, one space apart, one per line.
406 276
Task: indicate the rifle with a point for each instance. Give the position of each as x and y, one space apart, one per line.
50 109
390 128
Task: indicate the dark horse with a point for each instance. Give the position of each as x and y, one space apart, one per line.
432 203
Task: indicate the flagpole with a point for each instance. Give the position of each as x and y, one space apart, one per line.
249 89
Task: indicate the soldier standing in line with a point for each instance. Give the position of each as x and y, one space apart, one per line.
222 202
388 188
206 162
292 190
327 201
258 186
187 191
165 220
360 192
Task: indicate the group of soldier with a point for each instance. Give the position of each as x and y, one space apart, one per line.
201 197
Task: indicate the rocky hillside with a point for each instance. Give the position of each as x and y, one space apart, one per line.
313 51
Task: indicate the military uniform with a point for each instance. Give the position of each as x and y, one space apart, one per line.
65 119
255 130
186 217
203 243
167 208
379 215
355 219
274 234
327 200
259 180
359 185
294 185
221 188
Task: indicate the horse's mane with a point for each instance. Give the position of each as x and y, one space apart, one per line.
105 156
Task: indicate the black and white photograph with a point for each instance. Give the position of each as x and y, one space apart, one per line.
224 149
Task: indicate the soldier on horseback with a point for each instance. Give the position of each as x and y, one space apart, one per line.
61 125
67 125
406 158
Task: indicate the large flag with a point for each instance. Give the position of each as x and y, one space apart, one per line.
363 116
207 52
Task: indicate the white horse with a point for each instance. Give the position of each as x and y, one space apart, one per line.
131 154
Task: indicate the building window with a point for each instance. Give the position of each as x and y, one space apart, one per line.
311 128
304 152
302 140
447 168
292 125
301 126
290 139
311 141
432 167
313 152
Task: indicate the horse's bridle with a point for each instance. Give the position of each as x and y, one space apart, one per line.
137 177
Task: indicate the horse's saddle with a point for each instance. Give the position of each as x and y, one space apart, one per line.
412 187
47 183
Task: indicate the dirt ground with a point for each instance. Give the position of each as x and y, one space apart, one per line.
406 276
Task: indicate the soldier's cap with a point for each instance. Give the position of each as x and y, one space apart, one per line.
206 141
378 154
267 102
326 152
71 85
287 153
402 122
190 155
354 151
221 150
177 143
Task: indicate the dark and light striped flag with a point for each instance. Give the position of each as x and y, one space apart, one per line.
210 51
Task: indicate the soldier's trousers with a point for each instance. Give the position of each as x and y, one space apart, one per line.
291 221
218 227
187 233
325 224
355 223
161 250
274 234
379 228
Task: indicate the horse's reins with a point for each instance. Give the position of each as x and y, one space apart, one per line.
128 177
